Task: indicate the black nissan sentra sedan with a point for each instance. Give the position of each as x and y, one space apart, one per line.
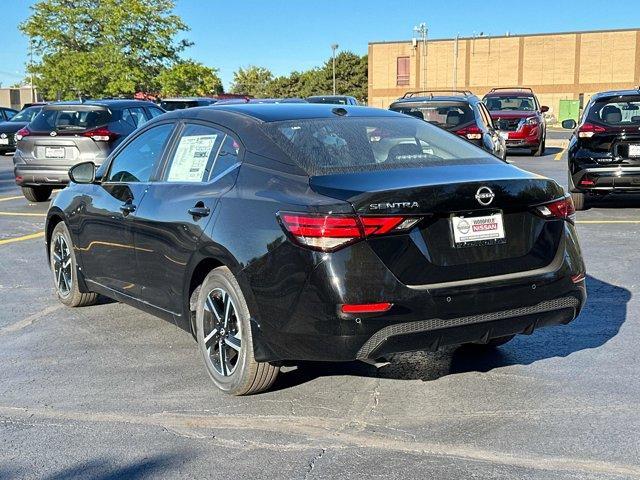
283 233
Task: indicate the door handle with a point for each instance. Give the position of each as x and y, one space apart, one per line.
199 211
127 208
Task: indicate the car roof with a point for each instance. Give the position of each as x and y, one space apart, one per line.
330 96
109 103
438 98
275 112
616 93
188 99
510 93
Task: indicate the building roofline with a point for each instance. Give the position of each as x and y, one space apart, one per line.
484 37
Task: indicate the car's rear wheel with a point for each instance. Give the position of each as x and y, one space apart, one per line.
579 200
223 331
64 268
37 194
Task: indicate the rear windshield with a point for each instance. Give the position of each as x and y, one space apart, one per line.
341 145
619 111
444 114
328 100
26 115
519 102
61 119
180 105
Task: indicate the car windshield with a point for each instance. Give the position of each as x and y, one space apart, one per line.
444 114
517 102
616 111
26 115
325 146
50 119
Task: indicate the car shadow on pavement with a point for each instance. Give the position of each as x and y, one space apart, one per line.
156 466
619 200
600 320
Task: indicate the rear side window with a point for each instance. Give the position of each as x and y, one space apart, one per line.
442 114
69 119
195 154
618 111
134 116
227 156
342 145
137 161
155 112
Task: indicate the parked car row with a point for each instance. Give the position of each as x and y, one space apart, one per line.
280 232
505 118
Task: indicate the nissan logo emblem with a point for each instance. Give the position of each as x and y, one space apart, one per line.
485 196
53 134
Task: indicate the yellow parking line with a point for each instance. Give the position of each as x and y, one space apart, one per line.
18 214
559 154
20 239
607 221
5 199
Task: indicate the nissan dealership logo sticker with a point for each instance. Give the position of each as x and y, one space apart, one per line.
485 196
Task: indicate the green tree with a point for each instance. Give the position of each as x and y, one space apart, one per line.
189 78
351 76
254 81
102 47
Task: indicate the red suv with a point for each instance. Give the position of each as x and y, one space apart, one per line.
518 117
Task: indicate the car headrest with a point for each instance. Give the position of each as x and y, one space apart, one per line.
406 150
611 114
453 118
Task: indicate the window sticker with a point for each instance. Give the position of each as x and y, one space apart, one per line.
191 158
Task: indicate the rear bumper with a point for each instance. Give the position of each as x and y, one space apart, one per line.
421 318
28 175
606 180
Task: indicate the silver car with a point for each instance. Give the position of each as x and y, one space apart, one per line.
64 134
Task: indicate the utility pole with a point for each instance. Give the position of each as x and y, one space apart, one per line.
422 30
334 47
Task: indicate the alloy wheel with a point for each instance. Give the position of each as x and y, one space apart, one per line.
62 264
222 332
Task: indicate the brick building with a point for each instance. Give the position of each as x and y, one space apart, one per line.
559 66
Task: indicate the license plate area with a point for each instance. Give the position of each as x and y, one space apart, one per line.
54 152
4 141
634 151
475 229
504 134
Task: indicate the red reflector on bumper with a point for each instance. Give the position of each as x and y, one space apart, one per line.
578 278
366 308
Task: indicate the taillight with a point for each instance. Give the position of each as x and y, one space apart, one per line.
562 208
23 132
326 232
588 130
101 134
366 307
472 132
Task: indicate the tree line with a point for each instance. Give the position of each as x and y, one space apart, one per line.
105 48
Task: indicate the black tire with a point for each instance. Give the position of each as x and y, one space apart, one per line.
64 268
538 152
236 370
37 194
579 201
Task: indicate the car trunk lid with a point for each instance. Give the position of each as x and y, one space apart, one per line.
432 253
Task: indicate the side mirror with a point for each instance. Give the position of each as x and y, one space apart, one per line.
544 109
84 172
569 124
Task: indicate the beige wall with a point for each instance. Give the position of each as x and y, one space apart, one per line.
17 97
556 66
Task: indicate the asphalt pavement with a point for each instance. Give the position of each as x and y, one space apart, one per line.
110 392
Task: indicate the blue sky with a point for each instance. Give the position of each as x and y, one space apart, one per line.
297 34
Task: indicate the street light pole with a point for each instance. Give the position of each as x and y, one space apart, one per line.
334 47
